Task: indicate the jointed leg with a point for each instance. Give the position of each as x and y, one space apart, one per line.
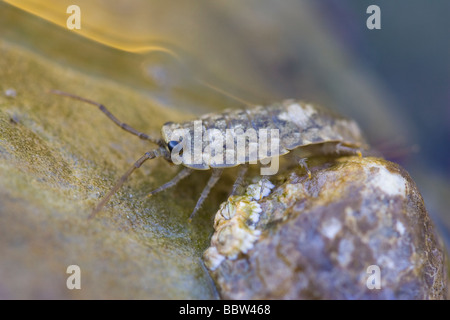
102 108
239 180
147 156
340 148
302 163
181 175
216 173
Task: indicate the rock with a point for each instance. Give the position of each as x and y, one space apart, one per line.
330 237
57 157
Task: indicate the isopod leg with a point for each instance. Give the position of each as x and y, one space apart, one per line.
263 185
304 165
147 156
215 176
239 180
181 175
340 148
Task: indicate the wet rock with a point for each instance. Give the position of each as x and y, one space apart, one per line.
57 158
357 230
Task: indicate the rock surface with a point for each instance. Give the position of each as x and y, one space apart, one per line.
321 238
57 158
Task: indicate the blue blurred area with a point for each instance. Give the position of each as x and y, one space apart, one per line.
411 56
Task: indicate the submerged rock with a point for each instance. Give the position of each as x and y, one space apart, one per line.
357 230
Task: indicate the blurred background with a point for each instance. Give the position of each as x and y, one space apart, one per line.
198 56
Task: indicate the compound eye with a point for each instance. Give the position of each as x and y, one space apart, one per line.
172 144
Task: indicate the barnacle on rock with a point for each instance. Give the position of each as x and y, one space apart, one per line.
320 238
235 225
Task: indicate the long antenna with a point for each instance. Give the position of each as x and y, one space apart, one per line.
225 93
103 109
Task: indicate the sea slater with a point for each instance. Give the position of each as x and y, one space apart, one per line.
244 139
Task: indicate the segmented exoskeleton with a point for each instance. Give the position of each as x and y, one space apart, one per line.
297 124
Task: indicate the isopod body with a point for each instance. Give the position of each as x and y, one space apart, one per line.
226 139
297 124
